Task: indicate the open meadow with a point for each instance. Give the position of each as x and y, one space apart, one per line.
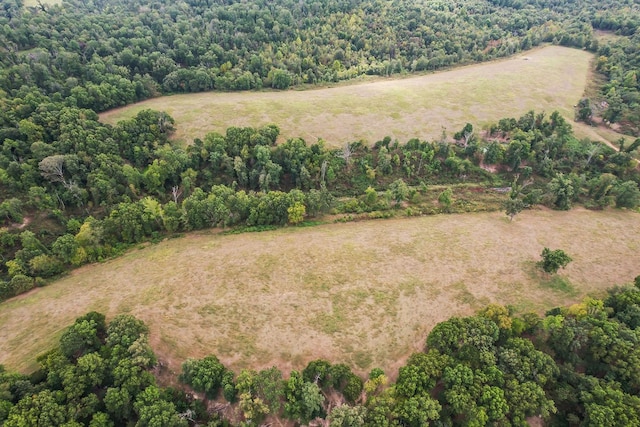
548 78
34 3
363 293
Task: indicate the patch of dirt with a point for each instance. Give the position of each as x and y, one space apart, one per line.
25 222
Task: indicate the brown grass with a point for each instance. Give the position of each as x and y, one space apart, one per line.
549 78
361 293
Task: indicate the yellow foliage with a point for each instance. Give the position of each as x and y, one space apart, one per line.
80 257
14 268
373 385
499 314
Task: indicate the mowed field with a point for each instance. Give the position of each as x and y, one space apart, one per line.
364 293
549 78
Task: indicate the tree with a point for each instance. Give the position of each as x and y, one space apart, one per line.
153 411
203 375
552 261
296 213
345 154
348 416
446 198
303 400
124 330
399 191
627 195
280 79
80 338
513 206
42 409
561 187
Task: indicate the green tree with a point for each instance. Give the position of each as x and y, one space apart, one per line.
280 79
348 416
513 206
153 411
204 375
296 213
80 338
41 409
552 261
399 191
627 195
446 198
563 191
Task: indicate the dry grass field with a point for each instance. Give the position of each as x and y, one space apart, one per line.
364 293
32 3
549 78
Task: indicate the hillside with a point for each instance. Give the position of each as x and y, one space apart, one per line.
363 293
549 78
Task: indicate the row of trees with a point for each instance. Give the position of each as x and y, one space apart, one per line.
620 95
101 188
578 365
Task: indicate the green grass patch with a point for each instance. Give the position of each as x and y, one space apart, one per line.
251 229
559 284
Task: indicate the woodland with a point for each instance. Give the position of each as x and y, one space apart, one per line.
75 191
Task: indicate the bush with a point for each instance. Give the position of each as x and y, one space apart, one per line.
21 283
45 266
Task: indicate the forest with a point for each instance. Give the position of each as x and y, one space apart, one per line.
75 191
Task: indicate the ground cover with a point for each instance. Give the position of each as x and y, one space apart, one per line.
548 78
362 293
33 3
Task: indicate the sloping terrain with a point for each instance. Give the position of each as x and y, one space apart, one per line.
549 78
361 293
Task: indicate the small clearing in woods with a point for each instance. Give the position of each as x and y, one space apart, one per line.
365 293
544 79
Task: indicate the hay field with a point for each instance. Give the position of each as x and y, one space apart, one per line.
364 293
549 78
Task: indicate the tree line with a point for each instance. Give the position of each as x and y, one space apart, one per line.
577 365
95 189
109 53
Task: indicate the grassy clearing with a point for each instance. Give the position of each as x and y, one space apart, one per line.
364 293
549 78
33 3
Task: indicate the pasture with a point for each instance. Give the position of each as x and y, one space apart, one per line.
548 78
34 3
362 293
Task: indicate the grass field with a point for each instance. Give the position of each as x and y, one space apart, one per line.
32 3
364 293
549 78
